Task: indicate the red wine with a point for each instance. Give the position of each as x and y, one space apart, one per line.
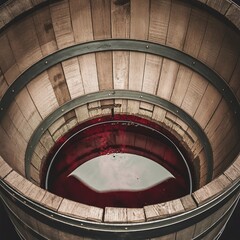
120 161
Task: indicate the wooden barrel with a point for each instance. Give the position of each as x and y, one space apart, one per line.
176 63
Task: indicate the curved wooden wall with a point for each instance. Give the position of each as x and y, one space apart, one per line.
176 24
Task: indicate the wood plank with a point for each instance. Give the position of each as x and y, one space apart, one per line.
120 20
167 78
59 85
82 113
101 18
188 202
135 215
14 148
136 70
104 62
178 24
5 169
42 93
196 89
51 201
196 31
212 41
81 20
221 5
15 8
185 232
89 73
45 33
211 190
35 175
55 128
25 46
115 215
232 173
3 84
207 106
28 109
234 81
81 211
159 21
162 210
139 19
233 15
35 193
12 73
73 77
120 69
7 58
62 24
230 52
180 88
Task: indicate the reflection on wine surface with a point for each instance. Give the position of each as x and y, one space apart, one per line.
122 162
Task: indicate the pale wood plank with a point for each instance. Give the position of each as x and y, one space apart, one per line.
55 128
14 147
58 82
139 19
45 33
212 41
159 20
81 211
73 77
115 215
5 169
28 109
185 232
35 193
101 18
167 78
180 88
196 31
89 73
178 24
135 215
81 20
42 93
47 141
51 201
162 210
35 175
207 106
188 202
62 25
82 113
120 69
120 20
196 89
105 70
211 190
25 46
136 70
232 173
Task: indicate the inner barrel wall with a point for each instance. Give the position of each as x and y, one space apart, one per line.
173 62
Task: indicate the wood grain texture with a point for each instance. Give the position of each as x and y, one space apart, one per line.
159 20
45 32
163 210
5 169
42 94
120 20
211 190
196 31
62 25
88 70
25 47
81 17
115 215
178 24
